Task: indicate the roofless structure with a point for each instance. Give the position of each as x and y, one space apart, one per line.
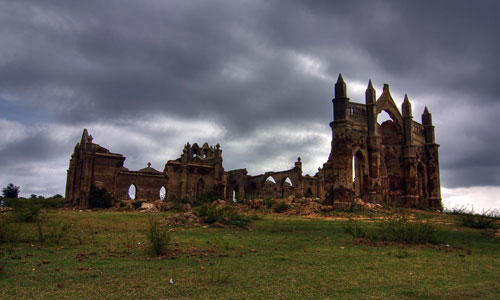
395 162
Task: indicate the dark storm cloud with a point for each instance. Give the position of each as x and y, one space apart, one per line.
251 66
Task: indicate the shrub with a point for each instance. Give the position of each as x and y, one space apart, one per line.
360 230
476 221
9 231
225 215
396 229
174 199
159 238
137 204
28 213
269 202
206 198
281 207
99 197
51 202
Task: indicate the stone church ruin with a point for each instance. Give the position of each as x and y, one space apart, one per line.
395 162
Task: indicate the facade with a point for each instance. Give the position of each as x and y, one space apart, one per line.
395 162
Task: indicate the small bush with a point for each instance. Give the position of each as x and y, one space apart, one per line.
52 202
360 230
400 229
99 198
477 221
174 199
159 238
396 229
137 204
9 231
206 198
225 215
269 202
281 207
27 213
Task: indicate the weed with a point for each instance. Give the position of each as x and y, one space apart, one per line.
281 207
9 235
269 202
225 215
137 204
59 232
206 198
397 229
477 221
159 237
28 213
99 198
217 273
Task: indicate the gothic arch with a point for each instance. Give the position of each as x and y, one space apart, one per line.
386 103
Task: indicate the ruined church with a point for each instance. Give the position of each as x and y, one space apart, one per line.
395 163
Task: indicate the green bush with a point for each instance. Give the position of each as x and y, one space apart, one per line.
27 213
225 215
400 229
9 231
159 237
99 198
137 204
206 198
281 207
396 229
184 200
477 221
41 202
269 202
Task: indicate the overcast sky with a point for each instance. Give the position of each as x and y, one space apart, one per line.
145 77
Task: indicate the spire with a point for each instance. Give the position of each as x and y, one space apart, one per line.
370 93
406 107
426 117
340 88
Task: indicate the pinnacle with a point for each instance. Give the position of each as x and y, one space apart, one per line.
406 98
370 86
426 111
340 79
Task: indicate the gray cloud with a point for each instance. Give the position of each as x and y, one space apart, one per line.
248 68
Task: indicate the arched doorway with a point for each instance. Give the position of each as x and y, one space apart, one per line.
235 194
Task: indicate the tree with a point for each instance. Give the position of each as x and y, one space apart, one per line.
99 197
11 191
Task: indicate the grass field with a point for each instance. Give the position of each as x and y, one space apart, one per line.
104 255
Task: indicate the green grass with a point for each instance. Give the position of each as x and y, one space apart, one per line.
105 255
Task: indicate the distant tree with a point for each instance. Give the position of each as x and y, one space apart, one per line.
57 196
11 191
33 196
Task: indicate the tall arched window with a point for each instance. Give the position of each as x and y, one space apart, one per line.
200 186
163 193
132 192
